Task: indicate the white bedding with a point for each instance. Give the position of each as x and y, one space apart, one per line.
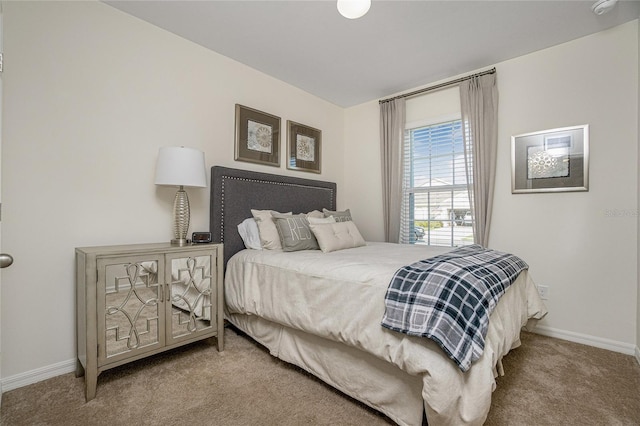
339 296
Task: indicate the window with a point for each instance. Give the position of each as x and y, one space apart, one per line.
436 209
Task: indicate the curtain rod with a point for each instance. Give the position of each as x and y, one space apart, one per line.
439 86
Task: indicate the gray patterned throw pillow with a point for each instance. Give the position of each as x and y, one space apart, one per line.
295 233
342 216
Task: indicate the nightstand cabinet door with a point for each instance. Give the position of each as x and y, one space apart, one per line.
131 314
191 302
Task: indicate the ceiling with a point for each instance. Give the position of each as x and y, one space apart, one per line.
398 45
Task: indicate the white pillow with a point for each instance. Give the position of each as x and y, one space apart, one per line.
319 220
269 237
249 233
337 236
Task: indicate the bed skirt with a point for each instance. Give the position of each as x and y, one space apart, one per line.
386 387
362 376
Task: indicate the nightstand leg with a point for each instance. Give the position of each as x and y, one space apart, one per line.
90 384
220 338
79 369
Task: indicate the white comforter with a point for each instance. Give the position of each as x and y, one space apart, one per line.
340 296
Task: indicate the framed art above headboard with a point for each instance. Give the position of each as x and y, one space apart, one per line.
234 192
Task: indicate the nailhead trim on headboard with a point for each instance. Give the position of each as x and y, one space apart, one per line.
222 201
235 191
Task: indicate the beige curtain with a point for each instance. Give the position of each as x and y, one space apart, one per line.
479 104
392 119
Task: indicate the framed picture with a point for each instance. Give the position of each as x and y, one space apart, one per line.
257 136
304 147
555 160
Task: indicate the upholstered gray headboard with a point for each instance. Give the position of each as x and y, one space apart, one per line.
235 192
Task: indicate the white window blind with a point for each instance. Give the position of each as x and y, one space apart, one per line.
436 209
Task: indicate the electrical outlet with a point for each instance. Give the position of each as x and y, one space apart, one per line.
543 291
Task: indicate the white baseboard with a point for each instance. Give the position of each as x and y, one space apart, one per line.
585 339
37 375
40 374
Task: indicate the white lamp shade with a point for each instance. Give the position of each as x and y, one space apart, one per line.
353 9
180 166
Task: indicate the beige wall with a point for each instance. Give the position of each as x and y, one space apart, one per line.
90 94
582 245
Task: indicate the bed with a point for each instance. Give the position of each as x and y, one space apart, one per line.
322 311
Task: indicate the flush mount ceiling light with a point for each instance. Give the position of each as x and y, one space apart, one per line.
353 9
603 6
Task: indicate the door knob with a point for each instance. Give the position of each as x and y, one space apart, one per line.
5 260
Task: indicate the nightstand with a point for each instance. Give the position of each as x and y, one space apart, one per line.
134 301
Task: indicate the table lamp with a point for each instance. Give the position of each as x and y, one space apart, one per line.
180 166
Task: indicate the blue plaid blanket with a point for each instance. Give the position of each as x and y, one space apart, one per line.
448 298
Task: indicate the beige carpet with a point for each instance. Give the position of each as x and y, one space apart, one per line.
547 382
